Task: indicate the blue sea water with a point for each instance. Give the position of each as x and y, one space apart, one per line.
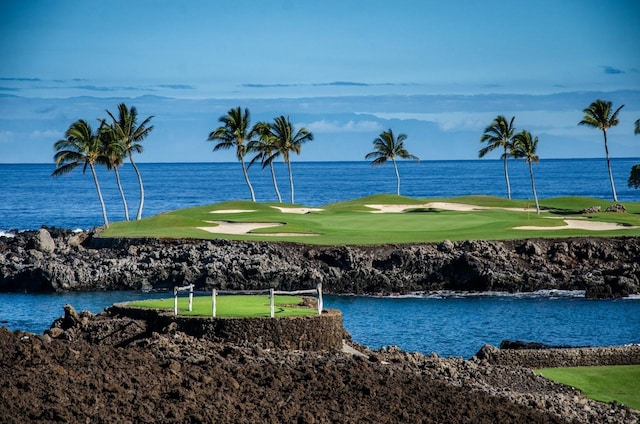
449 325
30 197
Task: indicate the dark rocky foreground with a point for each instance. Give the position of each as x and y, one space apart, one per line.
109 368
58 260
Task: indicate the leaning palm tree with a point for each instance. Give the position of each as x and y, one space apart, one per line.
598 115
131 134
637 129
288 140
265 147
499 135
387 146
634 175
233 133
80 147
114 154
525 147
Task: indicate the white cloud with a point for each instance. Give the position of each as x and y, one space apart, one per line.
325 126
53 134
7 136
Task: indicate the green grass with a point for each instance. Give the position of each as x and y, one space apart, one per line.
352 223
244 306
605 384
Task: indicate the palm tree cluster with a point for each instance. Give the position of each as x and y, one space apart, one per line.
268 141
109 145
501 134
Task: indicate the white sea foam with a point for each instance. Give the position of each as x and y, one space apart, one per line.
6 234
449 294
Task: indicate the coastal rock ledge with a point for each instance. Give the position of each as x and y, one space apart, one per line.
59 260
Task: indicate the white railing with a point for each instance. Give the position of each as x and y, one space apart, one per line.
272 294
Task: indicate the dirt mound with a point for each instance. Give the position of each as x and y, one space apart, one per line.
103 369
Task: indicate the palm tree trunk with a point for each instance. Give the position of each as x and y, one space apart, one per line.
246 178
395 167
275 183
606 151
104 209
290 180
506 174
124 200
533 186
139 215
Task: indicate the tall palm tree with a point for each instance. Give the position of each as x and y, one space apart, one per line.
598 115
114 153
233 133
387 146
265 147
131 134
499 135
634 175
524 146
80 147
288 140
637 129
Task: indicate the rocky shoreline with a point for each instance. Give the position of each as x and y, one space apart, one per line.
51 260
110 368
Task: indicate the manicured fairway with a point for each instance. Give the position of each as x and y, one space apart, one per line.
356 222
605 384
245 306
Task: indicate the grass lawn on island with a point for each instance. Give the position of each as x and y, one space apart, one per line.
228 306
605 384
373 220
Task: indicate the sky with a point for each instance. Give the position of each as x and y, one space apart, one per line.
347 70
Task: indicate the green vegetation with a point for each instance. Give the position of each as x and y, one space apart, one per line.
499 135
352 222
245 306
598 115
605 384
387 146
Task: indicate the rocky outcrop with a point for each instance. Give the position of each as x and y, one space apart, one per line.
603 267
108 369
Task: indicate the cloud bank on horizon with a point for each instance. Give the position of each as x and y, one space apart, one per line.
346 70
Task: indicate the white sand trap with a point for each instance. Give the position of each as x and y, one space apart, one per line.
244 228
297 210
581 225
459 207
232 211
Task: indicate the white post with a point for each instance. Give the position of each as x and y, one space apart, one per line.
190 297
320 302
214 293
175 301
272 303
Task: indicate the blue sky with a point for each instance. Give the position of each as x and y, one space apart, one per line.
438 71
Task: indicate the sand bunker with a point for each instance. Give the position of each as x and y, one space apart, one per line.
232 211
581 225
460 207
244 228
297 210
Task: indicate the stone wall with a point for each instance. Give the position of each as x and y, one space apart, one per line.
312 332
563 357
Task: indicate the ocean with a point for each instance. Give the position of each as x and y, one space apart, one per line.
449 324
30 197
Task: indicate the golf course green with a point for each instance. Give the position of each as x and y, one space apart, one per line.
382 219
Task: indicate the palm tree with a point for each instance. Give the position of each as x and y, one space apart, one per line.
389 147
499 135
637 129
288 140
234 133
265 147
130 134
598 115
80 147
525 147
634 175
114 153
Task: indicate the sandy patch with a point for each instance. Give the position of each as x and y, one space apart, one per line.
244 228
232 211
581 225
297 210
458 207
